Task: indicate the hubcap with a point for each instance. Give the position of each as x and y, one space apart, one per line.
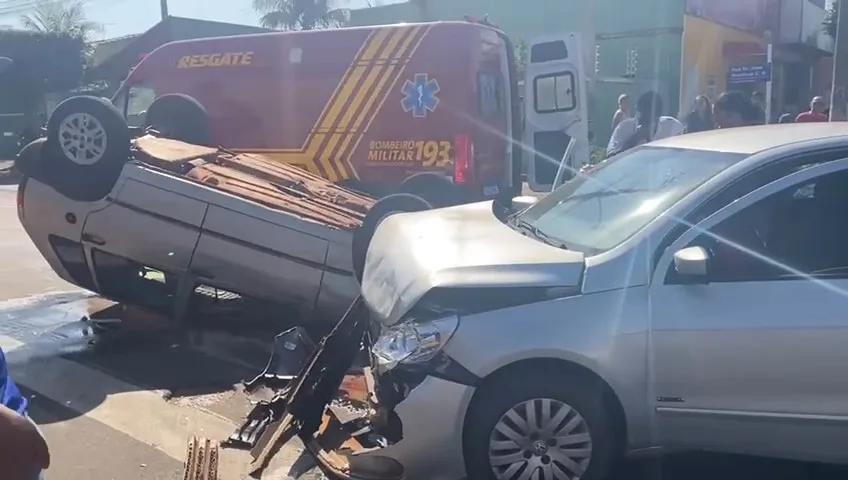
540 439
82 138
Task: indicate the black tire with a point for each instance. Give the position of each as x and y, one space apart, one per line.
180 117
87 170
399 202
583 395
438 191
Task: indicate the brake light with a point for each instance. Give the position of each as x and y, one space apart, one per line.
463 159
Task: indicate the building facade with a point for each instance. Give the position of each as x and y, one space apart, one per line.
724 38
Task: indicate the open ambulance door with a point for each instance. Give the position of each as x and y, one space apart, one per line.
555 110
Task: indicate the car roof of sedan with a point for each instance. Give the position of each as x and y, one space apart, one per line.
751 140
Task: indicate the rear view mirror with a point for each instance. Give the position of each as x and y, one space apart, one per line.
692 261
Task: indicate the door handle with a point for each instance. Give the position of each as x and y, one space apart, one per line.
89 238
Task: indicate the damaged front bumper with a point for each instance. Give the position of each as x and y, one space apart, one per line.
347 415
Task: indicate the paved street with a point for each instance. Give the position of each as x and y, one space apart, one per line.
123 406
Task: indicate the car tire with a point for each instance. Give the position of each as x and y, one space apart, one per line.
87 145
581 403
437 191
180 117
386 206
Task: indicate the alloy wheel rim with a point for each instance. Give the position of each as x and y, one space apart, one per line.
82 138
540 439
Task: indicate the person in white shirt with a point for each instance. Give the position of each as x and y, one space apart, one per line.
648 125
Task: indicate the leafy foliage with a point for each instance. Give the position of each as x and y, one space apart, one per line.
522 52
43 62
296 14
830 16
62 19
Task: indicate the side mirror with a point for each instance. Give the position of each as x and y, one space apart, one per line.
692 261
523 203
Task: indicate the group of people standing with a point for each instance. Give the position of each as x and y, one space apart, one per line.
646 123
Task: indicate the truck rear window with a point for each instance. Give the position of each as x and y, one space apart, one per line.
555 92
490 92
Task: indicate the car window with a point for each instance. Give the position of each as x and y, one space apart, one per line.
141 96
800 231
490 92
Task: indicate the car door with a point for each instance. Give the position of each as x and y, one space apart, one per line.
555 109
247 250
750 357
144 235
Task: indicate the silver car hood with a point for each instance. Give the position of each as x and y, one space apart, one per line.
460 247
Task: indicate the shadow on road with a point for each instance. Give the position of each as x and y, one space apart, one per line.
64 343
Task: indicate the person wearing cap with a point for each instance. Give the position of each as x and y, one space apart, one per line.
648 125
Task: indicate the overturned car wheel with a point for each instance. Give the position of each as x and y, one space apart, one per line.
87 145
180 117
533 427
386 206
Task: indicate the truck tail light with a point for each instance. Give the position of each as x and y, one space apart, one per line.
463 159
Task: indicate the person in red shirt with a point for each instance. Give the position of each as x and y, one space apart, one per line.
815 114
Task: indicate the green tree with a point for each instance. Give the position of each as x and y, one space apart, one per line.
296 14
60 18
522 51
830 16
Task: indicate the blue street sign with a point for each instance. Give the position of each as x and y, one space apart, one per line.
749 73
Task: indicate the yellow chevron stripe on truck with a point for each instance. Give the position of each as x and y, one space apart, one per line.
370 77
398 67
374 85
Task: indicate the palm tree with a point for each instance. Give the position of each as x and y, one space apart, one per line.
295 14
52 17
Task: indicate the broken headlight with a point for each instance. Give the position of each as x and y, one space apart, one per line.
412 342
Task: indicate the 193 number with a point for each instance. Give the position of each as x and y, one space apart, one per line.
433 154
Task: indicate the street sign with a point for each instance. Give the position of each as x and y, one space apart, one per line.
749 73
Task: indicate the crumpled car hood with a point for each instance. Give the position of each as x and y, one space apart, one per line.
458 247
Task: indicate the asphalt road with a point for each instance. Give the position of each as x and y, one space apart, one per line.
124 406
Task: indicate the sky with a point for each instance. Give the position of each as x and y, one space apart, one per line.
126 17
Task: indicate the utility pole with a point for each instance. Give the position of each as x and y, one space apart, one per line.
163 6
839 87
589 40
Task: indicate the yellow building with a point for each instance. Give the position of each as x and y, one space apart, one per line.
709 50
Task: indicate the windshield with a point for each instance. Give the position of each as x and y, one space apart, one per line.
601 208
